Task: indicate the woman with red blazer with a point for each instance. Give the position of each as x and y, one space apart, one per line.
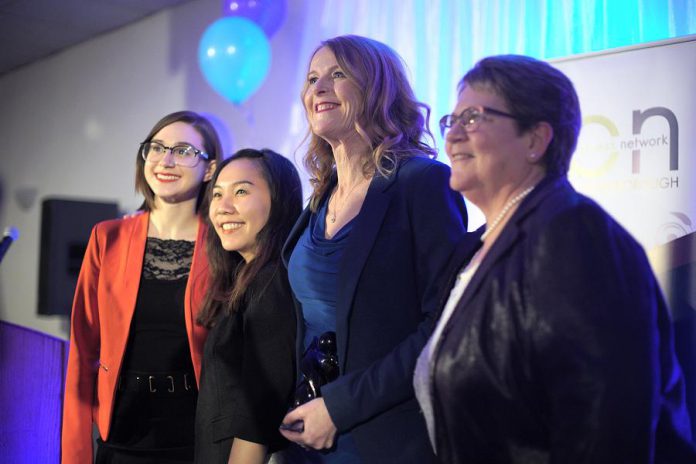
135 349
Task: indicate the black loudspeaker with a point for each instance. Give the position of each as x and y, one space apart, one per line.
65 229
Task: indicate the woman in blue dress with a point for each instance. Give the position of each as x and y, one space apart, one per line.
364 258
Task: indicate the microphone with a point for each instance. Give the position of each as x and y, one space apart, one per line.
10 235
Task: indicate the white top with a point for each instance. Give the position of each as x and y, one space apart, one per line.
422 379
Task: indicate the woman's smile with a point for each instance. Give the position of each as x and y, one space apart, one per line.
166 177
230 227
321 107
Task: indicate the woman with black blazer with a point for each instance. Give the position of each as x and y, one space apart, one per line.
364 258
247 375
555 344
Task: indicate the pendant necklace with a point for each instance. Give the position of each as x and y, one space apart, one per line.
332 216
513 201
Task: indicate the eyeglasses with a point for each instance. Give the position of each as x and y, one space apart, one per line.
184 154
470 118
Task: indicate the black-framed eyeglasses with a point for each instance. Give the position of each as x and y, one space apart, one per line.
184 154
470 118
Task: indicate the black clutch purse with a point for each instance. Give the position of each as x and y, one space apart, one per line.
318 366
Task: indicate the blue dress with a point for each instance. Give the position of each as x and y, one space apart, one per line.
313 275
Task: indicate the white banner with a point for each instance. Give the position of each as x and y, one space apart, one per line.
636 150
637 158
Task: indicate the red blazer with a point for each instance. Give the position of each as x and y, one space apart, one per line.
103 308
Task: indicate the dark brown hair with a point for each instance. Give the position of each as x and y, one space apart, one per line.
211 146
230 275
534 92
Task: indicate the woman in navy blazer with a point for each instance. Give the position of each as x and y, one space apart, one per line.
365 257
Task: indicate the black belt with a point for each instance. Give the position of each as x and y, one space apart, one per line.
159 383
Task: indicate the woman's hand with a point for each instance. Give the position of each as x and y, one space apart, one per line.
319 430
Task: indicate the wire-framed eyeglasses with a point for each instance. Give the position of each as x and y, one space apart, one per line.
184 154
470 118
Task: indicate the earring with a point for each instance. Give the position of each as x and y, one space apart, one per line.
533 156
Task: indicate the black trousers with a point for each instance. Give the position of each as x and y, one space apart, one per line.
150 428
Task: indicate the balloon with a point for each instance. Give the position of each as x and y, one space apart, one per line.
268 14
234 56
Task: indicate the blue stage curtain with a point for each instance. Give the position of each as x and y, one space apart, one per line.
440 39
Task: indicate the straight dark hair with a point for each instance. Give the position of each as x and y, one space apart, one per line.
230 275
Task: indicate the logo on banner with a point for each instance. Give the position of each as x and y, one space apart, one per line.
679 225
647 158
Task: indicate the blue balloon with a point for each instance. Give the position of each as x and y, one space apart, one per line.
268 14
234 56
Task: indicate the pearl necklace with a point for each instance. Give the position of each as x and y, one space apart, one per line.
332 216
513 201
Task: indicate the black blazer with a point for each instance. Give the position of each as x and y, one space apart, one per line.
248 373
390 275
560 349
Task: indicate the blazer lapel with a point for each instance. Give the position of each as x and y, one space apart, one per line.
135 254
507 238
362 238
294 236
464 250
196 288
288 247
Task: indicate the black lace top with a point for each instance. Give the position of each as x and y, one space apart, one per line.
157 345
158 341
167 259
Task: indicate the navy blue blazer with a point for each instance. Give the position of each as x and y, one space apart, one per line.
390 278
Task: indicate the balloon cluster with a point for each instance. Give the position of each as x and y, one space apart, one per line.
234 53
